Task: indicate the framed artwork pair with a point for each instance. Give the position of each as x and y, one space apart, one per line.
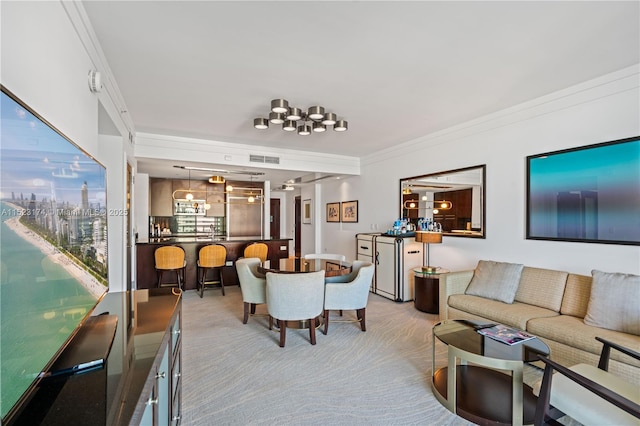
346 211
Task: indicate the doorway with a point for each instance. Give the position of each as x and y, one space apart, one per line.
297 246
274 218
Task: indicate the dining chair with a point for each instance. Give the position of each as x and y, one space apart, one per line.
259 250
349 292
295 297
170 259
588 394
211 257
252 285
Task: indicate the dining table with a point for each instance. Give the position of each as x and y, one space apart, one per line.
332 268
292 265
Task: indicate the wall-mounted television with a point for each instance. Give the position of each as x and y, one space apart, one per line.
53 246
587 194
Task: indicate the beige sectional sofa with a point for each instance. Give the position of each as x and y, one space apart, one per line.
551 305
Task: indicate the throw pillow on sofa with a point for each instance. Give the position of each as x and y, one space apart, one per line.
495 280
613 303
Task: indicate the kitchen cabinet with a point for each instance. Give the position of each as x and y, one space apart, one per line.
161 197
215 198
460 212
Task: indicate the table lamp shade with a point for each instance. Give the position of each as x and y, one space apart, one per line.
429 237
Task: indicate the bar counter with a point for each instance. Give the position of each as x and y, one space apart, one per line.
146 276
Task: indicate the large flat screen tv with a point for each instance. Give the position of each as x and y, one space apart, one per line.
53 246
587 194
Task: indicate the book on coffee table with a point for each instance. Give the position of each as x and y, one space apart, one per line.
505 334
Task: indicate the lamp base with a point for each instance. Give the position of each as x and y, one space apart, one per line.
429 269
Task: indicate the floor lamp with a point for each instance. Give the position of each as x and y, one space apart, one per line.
426 238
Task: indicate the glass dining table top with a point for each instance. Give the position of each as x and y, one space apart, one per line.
297 265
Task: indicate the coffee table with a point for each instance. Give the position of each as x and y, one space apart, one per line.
479 392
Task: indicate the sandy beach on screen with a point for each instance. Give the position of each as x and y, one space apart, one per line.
87 280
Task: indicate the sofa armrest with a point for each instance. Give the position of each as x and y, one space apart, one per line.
452 283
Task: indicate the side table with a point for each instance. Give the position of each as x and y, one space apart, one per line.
426 289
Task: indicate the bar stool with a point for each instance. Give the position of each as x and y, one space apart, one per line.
259 250
170 258
212 257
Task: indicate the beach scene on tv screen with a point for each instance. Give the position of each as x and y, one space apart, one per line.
53 245
591 193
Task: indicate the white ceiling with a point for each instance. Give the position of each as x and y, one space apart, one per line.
394 70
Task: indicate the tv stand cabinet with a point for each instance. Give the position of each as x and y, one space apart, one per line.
140 381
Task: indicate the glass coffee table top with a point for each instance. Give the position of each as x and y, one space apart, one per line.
463 335
484 394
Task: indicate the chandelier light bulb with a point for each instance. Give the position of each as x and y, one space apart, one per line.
261 123
315 112
251 199
289 125
304 130
276 117
189 196
279 105
319 127
294 114
341 126
329 119
229 188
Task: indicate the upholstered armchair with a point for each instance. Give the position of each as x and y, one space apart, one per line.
349 293
295 297
252 285
588 394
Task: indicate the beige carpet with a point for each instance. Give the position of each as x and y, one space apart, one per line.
235 374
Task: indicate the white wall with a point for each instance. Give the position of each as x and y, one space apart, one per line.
45 64
604 109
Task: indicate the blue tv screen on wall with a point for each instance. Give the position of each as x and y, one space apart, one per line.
586 194
53 246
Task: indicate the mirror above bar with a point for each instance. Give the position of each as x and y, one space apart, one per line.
455 199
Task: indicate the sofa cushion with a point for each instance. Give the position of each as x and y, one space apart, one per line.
542 287
614 302
576 295
514 314
495 280
573 332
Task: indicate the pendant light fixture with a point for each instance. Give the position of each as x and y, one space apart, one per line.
217 179
315 119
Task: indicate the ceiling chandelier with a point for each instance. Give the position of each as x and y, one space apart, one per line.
315 119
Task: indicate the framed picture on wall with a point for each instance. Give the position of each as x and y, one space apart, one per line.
333 212
307 212
349 211
588 194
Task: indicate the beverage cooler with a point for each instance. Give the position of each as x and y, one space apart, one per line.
394 257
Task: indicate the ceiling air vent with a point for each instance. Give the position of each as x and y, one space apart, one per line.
263 159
